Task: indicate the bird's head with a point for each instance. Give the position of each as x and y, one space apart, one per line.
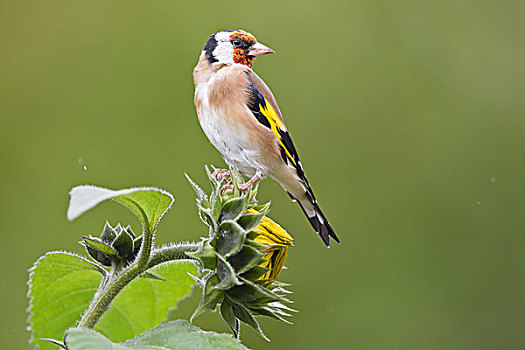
234 46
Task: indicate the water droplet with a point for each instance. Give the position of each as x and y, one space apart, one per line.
493 179
81 162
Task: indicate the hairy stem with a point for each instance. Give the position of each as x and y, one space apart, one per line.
104 297
112 287
172 252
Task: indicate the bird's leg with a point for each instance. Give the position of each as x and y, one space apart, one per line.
220 174
244 187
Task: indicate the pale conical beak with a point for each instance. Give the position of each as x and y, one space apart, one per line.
259 49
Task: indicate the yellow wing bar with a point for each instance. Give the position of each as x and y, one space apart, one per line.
276 125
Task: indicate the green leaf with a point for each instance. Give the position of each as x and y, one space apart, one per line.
216 207
61 286
250 292
206 255
130 231
96 244
266 311
210 296
250 221
230 238
254 273
206 216
246 316
202 199
108 234
246 259
123 244
98 256
137 242
213 182
148 203
179 335
145 302
229 317
233 208
227 274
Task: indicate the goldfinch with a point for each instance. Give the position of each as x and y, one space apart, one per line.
239 115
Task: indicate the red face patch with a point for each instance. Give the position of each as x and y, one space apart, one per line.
243 36
240 54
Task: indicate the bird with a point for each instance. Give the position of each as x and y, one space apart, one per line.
241 118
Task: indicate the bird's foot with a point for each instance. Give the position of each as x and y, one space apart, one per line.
245 186
221 174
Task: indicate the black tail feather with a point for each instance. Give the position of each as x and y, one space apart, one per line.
324 229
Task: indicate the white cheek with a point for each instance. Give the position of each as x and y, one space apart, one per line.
224 53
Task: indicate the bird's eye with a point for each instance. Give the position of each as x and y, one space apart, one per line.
236 43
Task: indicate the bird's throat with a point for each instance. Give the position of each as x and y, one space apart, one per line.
241 56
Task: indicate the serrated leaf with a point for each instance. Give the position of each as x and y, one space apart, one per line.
174 335
95 243
230 238
147 203
232 209
62 285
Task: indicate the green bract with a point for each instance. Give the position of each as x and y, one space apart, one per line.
232 258
116 245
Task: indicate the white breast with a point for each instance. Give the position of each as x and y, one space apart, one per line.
230 140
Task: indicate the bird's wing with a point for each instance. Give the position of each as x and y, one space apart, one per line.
263 106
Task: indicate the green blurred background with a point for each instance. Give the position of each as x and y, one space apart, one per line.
409 117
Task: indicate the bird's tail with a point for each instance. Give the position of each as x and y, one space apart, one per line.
316 217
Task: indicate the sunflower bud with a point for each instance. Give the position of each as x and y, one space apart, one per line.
116 245
241 257
276 240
